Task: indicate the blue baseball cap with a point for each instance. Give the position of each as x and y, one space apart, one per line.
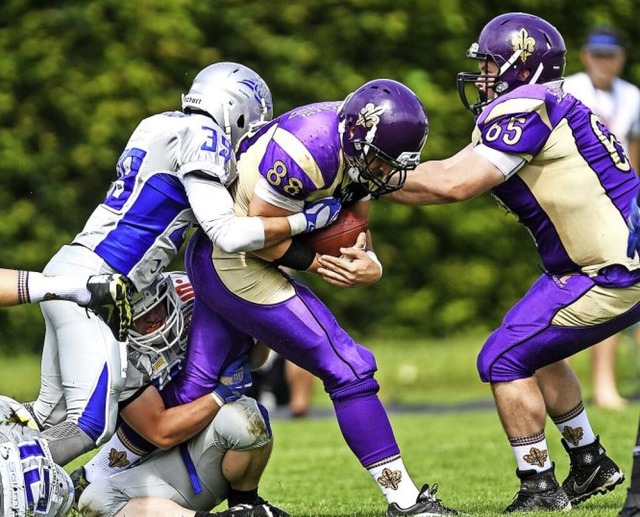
604 40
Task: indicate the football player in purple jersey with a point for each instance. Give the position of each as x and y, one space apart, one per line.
350 150
551 162
174 173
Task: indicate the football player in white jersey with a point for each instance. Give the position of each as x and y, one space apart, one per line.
173 173
158 342
30 481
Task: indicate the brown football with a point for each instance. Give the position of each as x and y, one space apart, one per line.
342 233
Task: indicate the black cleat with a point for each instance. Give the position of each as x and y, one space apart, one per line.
111 301
79 480
631 506
539 491
260 508
426 505
592 472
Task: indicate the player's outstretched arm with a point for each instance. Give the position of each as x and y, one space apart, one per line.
463 176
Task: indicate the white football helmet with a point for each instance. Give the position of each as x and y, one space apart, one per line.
31 483
234 95
168 335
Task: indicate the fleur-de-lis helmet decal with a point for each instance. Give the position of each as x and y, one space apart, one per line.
524 44
526 49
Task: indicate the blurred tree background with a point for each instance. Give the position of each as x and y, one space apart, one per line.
77 76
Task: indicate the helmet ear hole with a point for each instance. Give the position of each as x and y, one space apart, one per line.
240 122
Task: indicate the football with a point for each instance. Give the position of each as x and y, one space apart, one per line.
342 233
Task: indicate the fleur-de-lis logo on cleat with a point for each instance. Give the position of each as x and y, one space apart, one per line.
572 434
536 457
118 459
390 479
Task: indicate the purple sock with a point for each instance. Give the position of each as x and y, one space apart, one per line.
364 423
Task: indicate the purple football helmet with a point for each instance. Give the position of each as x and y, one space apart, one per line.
516 42
383 127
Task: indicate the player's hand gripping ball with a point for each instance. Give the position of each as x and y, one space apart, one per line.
342 233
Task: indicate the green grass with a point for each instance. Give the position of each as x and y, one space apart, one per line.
312 472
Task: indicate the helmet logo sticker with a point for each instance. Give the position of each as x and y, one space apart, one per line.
369 116
257 89
524 43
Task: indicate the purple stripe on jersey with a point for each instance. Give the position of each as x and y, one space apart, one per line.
284 174
160 201
619 184
315 126
93 419
516 196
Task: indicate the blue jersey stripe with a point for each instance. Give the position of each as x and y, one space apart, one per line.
157 205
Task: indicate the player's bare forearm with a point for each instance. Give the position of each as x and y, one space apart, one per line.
461 177
8 287
276 230
167 427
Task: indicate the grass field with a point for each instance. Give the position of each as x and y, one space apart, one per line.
312 472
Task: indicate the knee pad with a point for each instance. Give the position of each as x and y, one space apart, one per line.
357 389
501 364
243 425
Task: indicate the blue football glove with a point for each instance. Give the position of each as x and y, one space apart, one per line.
234 381
316 214
633 241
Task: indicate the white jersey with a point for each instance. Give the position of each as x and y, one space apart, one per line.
160 369
143 221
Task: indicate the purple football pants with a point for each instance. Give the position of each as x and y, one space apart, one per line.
300 329
527 340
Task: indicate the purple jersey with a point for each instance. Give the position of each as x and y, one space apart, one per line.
300 155
570 156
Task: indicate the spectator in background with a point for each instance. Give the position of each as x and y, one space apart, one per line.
281 383
617 103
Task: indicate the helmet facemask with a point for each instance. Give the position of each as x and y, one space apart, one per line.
378 172
160 297
478 84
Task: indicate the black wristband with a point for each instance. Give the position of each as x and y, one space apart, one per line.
298 256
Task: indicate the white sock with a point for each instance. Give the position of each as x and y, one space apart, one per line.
531 452
575 427
72 288
113 457
393 479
